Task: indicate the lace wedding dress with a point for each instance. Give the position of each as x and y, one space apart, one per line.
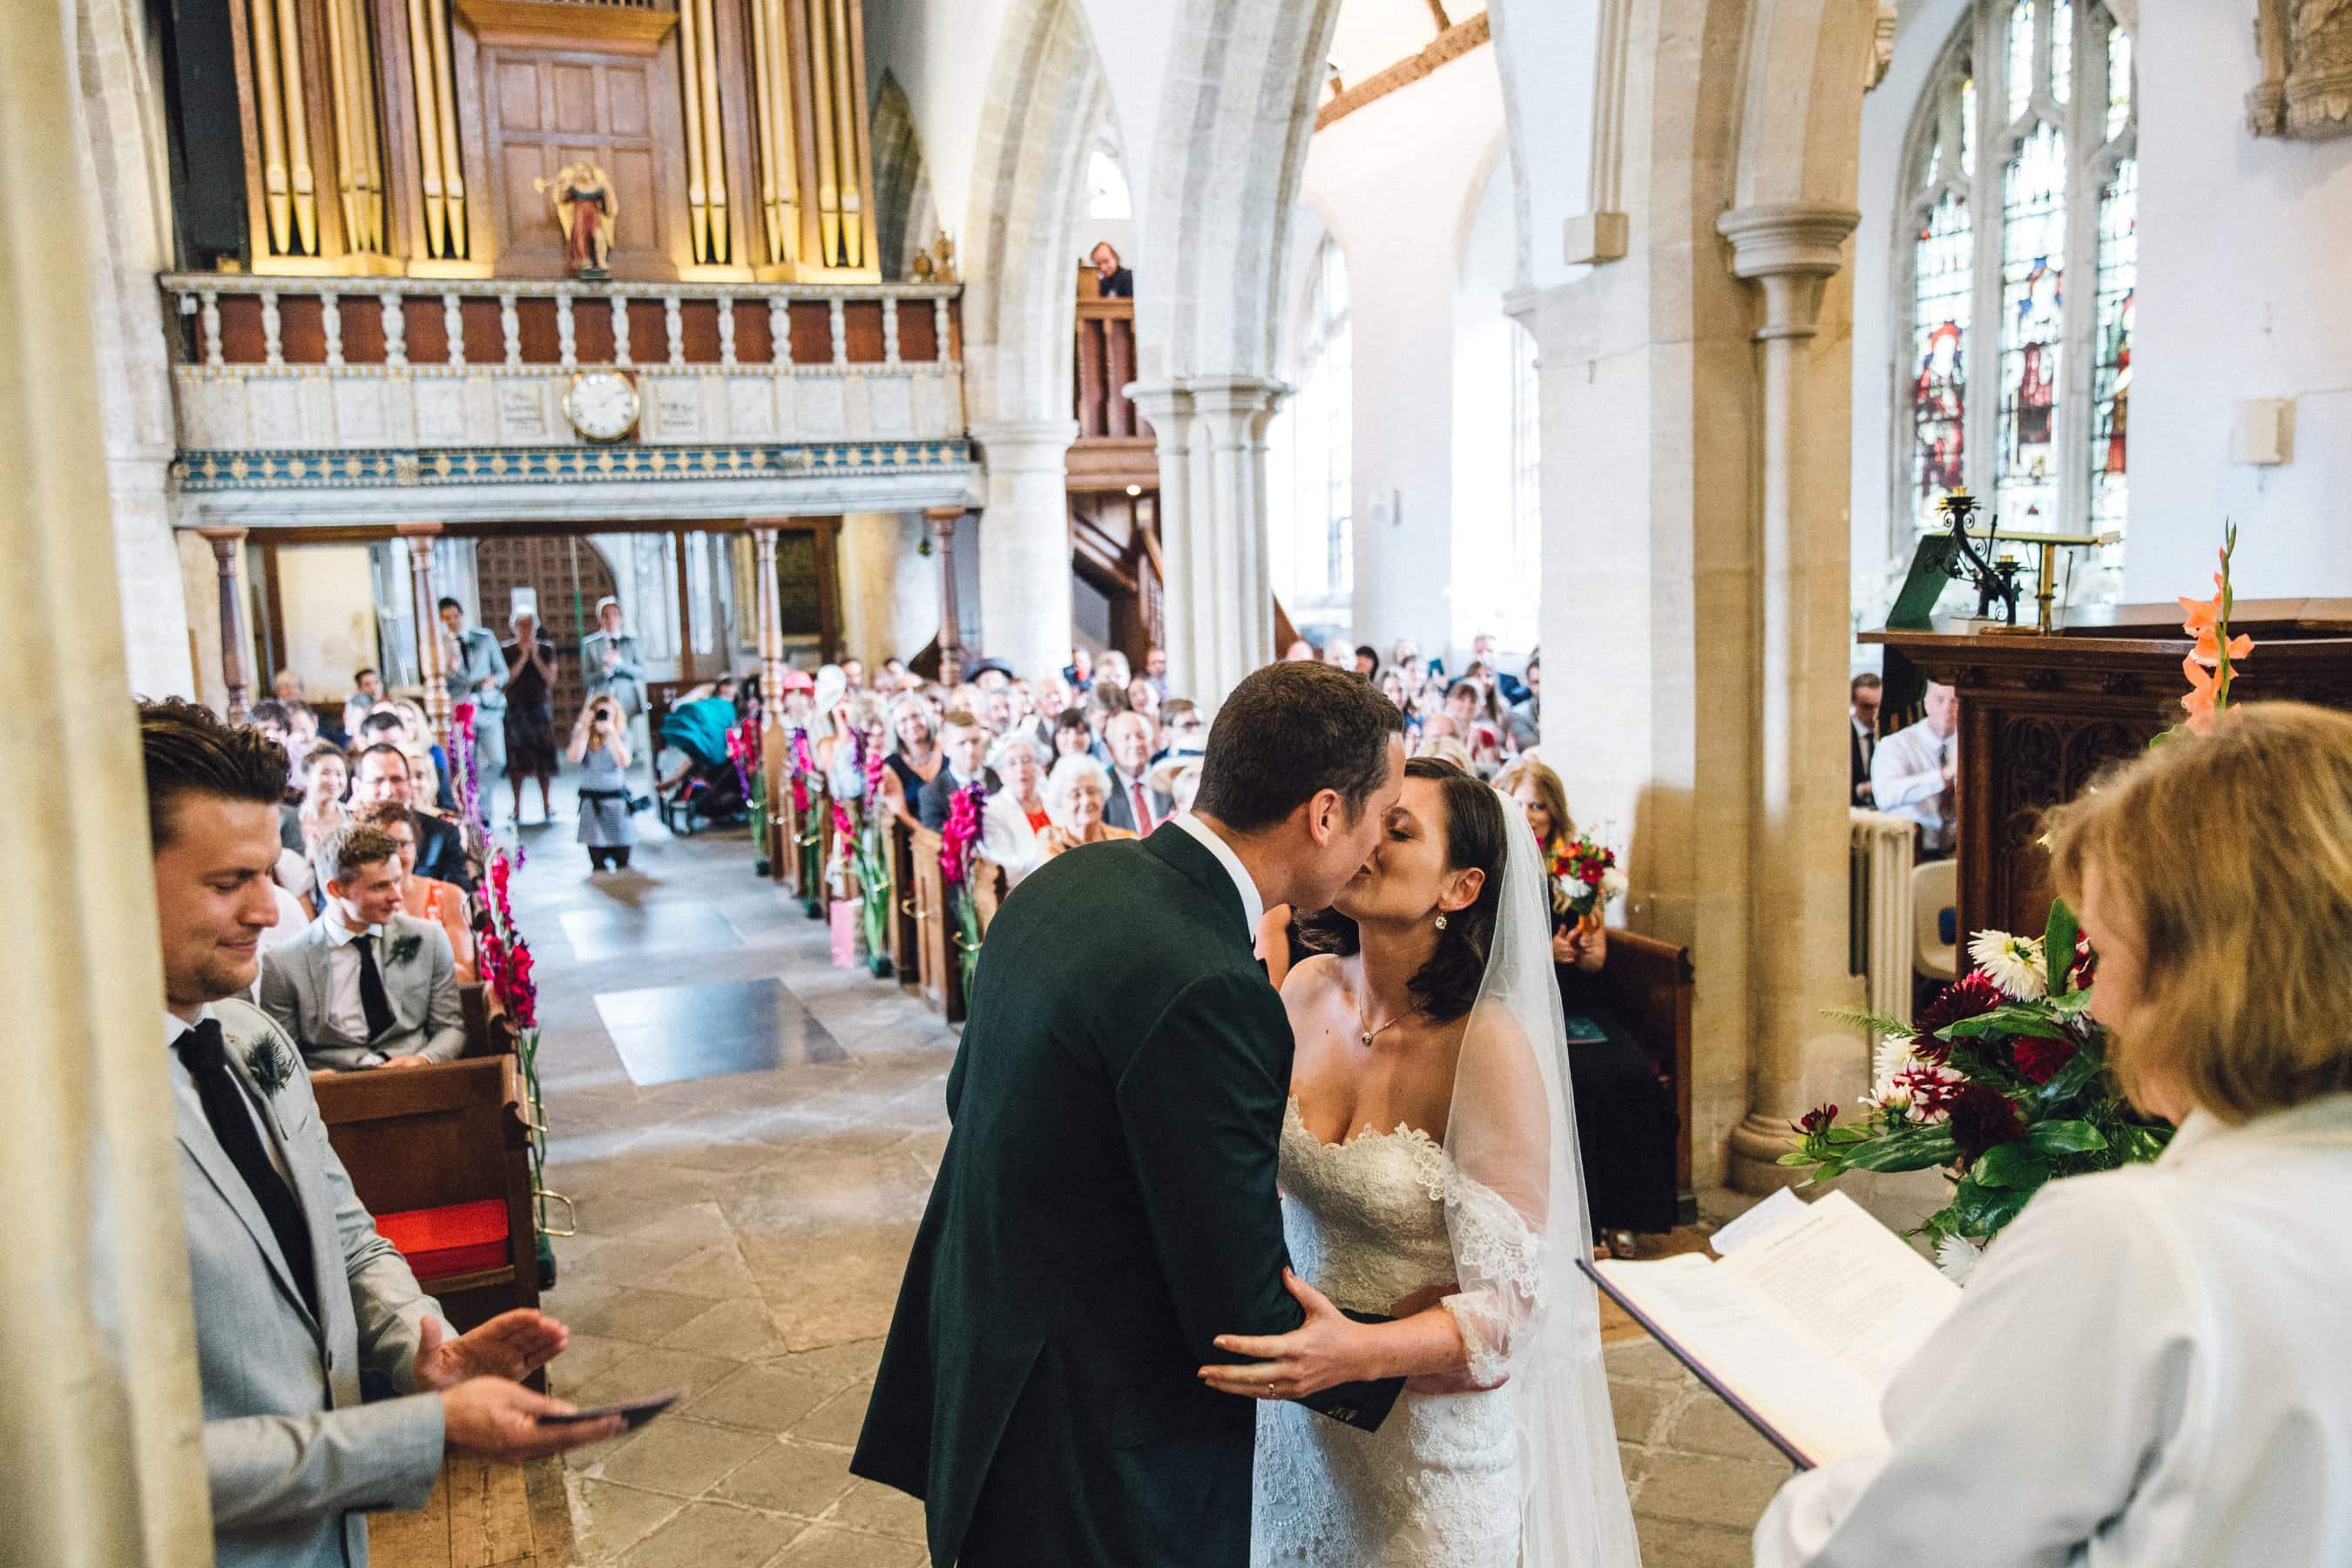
1370 1222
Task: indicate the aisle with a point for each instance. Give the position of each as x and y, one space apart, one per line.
741 1235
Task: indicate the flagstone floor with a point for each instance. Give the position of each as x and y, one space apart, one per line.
740 1237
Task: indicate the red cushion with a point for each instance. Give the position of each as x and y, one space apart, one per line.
462 1238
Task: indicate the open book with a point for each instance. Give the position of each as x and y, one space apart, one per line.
1801 1327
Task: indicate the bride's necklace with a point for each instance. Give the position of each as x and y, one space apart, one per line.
1371 1034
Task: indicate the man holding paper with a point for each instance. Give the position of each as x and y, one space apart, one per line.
2147 1369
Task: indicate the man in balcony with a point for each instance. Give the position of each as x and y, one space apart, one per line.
1112 280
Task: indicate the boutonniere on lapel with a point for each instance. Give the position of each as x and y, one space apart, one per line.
269 1065
403 948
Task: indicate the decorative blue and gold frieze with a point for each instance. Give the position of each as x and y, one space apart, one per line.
214 471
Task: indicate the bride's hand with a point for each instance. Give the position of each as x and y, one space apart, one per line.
1322 1353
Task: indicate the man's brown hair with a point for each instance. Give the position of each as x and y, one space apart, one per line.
187 751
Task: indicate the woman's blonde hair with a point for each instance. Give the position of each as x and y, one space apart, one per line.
1527 770
2226 858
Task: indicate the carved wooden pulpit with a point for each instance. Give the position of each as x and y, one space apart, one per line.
2040 716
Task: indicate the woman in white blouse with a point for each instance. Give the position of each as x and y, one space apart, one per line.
1015 814
2148 1369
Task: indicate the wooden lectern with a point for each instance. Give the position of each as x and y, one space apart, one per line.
2042 715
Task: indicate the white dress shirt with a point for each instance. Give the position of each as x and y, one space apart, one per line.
2147 1371
183 1086
344 1009
1252 906
1140 809
1907 779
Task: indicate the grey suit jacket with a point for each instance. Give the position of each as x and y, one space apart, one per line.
428 1020
626 681
479 659
293 1455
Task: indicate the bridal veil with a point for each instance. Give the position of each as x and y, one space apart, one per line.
1515 1212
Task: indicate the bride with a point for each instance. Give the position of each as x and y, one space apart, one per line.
1430 1176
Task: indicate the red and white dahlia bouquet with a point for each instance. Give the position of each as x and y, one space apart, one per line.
2002 1079
1585 881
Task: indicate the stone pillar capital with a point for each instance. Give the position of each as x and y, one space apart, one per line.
417 530
1024 446
1790 248
1237 395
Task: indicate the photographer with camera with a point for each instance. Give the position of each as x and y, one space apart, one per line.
600 744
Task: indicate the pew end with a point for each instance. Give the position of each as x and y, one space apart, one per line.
1649 983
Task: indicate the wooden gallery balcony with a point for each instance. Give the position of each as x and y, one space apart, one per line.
1113 482
1115 446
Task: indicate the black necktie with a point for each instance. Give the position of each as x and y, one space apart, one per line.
226 1108
372 1000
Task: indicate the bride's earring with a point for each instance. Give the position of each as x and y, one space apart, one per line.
1441 922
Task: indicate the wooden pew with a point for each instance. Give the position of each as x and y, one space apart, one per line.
988 890
907 918
786 861
935 948
1649 985
429 1139
488 1031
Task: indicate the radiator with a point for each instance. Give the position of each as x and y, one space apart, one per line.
1879 930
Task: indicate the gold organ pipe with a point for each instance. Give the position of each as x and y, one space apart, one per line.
298 132
339 94
828 190
845 109
444 98
788 177
276 201
763 122
714 146
368 160
697 187
428 131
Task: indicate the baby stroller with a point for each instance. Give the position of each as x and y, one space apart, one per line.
709 791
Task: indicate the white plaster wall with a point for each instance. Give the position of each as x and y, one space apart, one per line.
328 593
1493 591
1549 66
2241 295
1395 182
2242 247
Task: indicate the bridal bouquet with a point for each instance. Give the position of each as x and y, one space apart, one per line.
1585 881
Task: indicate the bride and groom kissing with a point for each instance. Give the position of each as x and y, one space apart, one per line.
1101 1352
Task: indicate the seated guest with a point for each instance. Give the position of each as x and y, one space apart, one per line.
860 734
286 686
914 758
1182 729
1368 660
996 710
1445 748
1143 698
367 985
1072 736
2146 1368
965 743
1075 793
1155 670
382 773
1913 771
1111 665
1134 805
1862 694
420 736
1113 280
894 677
1050 697
300 1306
427 899
367 690
1079 673
1525 721
327 776
853 670
1176 775
275 719
1015 815
1625 1121
1104 699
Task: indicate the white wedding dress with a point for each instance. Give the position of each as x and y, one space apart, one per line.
1525 1475
1439 1483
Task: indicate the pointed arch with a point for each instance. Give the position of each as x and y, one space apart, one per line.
905 215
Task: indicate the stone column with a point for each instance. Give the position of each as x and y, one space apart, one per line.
1798 875
1220 604
1024 550
99 1397
432 666
943 520
772 624
235 650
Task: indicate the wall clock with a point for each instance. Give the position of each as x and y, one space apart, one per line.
603 404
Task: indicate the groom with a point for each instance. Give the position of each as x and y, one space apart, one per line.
1106 1206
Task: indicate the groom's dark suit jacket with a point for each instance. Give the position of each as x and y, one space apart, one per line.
1106 1206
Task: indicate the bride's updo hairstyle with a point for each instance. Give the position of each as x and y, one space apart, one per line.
1476 834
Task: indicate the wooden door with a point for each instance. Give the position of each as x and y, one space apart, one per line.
544 108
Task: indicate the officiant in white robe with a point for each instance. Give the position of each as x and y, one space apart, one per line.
2147 1368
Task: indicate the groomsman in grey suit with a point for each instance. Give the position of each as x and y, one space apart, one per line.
366 985
479 675
296 1297
611 665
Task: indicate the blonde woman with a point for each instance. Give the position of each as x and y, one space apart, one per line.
2147 1367
1075 796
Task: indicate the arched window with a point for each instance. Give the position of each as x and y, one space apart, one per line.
2016 257
1316 565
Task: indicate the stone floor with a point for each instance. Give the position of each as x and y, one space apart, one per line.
740 1237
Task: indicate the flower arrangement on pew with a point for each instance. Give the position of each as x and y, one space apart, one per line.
802 766
872 862
958 845
744 750
507 967
464 760
2002 1079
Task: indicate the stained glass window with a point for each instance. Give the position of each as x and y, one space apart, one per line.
1997 218
2033 303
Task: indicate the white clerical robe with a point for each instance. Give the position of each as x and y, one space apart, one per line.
2147 1371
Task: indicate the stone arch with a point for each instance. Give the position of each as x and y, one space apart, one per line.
905 216
1046 92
